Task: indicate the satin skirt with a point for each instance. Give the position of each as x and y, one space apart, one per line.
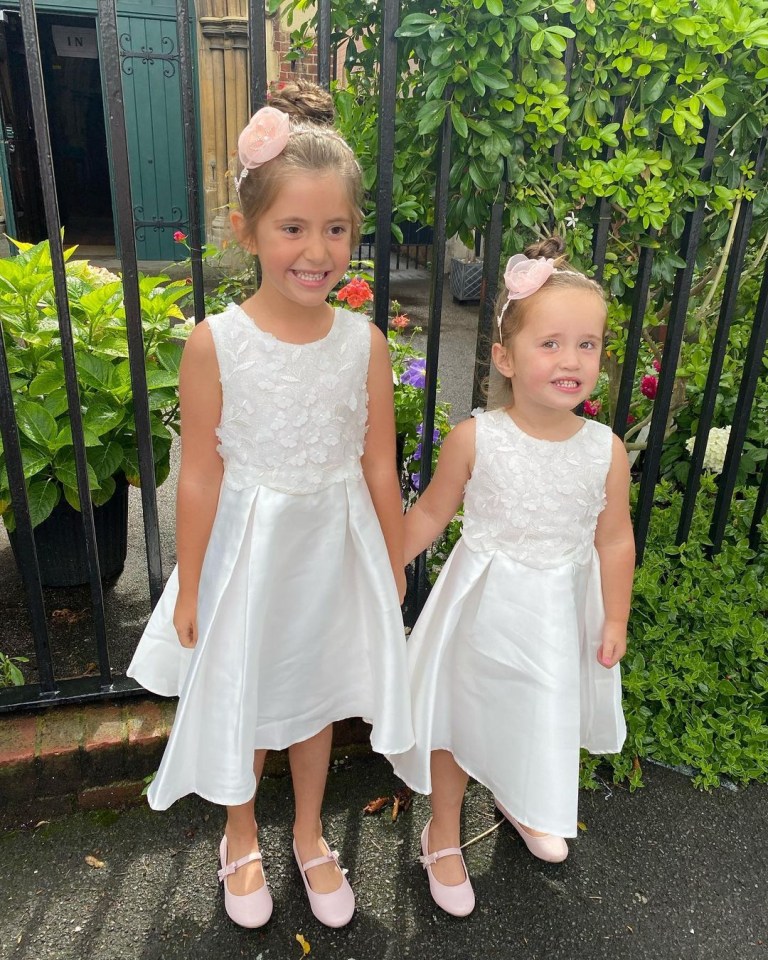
299 625
504 675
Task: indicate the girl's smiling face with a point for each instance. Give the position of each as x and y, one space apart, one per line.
553 361
303 240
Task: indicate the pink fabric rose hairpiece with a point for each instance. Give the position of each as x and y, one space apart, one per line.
523 277
263 139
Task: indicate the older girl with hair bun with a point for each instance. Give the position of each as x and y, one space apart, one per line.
283 613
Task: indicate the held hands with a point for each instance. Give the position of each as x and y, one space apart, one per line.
614 644
185 621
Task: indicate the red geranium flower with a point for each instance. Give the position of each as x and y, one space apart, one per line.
592 407
179 237
356 293
400 321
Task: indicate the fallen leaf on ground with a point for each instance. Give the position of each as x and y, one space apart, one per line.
582 826
94 862
68 616
304 944
377 805
404 798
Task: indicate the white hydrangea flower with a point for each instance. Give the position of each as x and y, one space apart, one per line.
717 444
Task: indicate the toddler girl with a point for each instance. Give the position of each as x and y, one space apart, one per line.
283 613
514 658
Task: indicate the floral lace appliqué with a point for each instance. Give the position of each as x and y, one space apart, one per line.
536 500
293 415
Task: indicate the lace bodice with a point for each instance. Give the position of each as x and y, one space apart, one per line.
536 500
293 415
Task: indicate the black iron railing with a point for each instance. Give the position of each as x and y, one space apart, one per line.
431 241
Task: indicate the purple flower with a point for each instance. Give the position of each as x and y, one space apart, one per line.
415 480
435 434
415 374
417 452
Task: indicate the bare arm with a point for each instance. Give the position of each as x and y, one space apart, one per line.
615 543
436 507
200 473
379 459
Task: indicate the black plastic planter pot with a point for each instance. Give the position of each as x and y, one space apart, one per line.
60 541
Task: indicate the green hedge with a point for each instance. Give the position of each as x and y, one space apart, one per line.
695 677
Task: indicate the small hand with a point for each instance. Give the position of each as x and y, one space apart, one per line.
614 644
185 622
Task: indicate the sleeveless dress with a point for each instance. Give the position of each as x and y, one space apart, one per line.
503 658
299 621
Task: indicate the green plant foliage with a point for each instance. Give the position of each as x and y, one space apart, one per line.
10 674
695 677
36 368
621 129
630 117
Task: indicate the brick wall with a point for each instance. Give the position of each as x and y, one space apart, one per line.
305 68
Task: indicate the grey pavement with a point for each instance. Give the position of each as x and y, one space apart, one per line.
666 873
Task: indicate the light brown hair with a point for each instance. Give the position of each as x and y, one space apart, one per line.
314 146
512 312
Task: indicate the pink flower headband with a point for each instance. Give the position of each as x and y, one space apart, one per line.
263 139
524 276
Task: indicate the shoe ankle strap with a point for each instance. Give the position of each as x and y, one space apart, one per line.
332 856
430 858
236 864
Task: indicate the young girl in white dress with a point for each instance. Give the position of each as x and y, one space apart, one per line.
283 614
514 659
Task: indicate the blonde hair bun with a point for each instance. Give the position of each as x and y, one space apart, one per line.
304 100
552 248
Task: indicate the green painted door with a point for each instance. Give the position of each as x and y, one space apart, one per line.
149 57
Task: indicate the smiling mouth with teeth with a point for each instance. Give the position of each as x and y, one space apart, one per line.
567 383
309 276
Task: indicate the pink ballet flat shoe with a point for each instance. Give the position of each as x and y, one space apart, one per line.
249 909
549 847
332 909
457 899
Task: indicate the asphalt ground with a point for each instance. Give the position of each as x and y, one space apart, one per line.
669 873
